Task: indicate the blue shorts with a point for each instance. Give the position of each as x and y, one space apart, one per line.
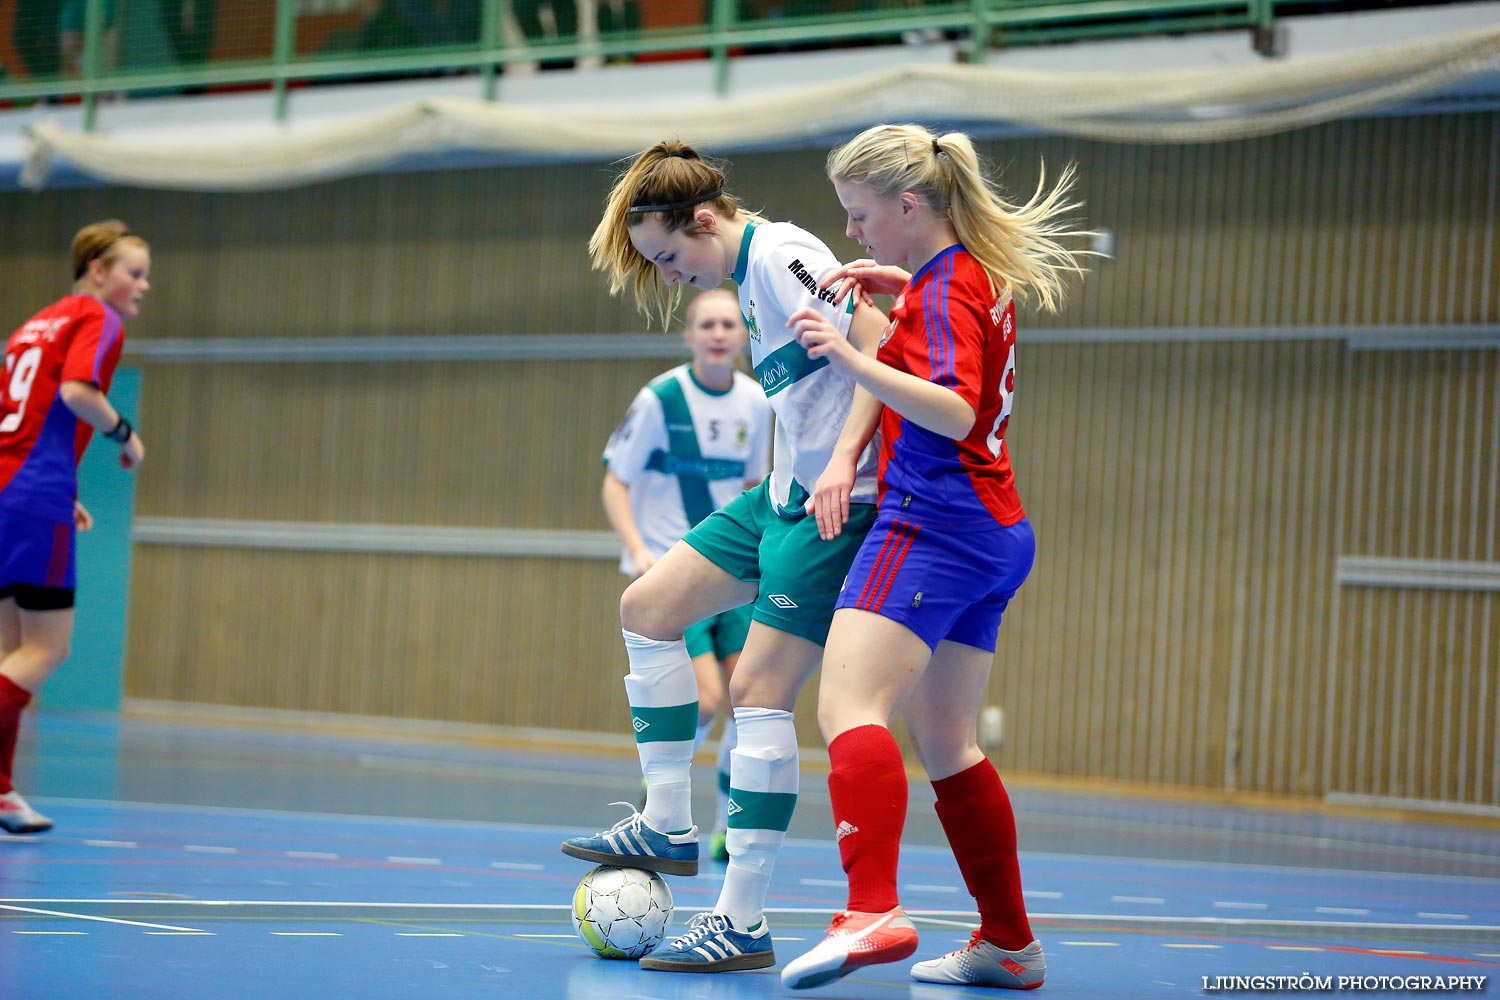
940 580
38 561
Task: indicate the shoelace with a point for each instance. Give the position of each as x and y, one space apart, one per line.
700 927
634 820
974 940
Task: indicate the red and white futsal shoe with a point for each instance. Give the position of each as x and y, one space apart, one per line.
854 939
985 964
16 816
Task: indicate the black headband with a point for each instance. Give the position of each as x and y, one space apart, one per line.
83 265
673 206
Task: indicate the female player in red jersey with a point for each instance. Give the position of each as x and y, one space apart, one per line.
917 619
58 368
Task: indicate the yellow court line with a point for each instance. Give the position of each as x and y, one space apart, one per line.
305 934
53 933
568 937
181 933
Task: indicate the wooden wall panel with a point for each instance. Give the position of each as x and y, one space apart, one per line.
1184 624
1375 221
491 444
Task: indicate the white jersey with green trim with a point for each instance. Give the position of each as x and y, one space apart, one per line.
778 270
686 450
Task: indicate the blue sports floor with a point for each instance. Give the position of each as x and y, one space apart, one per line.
194 860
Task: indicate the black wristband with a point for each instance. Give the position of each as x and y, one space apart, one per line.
121 432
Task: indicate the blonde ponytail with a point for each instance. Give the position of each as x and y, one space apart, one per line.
1021 247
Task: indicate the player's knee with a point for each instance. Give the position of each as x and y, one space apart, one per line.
40 658
640 614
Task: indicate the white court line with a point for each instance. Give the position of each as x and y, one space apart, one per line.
1443 916
928 914
1149 900
1038 894
1091 944
568 936
205 849
1241 906
1204 947
824 881
1351 910
110 843
516 866
313 855
929 888
102 920
414 861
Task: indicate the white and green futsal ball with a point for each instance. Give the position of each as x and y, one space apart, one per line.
622 912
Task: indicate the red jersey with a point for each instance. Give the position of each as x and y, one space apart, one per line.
948 327
77 338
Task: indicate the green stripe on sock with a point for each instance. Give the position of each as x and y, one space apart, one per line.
760 810
665 725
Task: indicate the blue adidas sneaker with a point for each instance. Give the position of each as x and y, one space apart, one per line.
711 944
634 843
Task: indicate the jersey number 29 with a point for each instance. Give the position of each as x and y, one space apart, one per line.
21 371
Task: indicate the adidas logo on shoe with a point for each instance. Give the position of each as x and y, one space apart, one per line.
843 830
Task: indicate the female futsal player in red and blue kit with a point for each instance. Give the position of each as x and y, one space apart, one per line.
58 368
917 619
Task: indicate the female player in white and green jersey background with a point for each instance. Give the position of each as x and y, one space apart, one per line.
696 437
668 222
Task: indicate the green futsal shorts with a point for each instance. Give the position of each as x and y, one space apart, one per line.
799 574
722 634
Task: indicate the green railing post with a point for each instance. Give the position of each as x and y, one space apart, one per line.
979 34
723 18
93 51
490 21
281 54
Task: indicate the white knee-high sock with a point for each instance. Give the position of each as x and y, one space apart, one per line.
663 694
762 794
727 740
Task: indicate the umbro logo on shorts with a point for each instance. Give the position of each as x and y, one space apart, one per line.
733 808
639 724
782 601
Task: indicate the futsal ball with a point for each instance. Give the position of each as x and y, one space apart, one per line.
622 912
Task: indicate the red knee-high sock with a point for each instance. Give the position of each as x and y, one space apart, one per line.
977 817
13 698
868 789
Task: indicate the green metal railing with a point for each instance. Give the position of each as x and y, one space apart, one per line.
983 24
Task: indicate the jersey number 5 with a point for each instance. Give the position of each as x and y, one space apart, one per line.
21 371
1007 399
